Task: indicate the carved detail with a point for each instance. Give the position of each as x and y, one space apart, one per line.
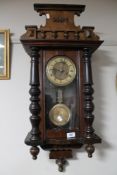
88 104
54 35
60 156
31 32
76 35
61 163
42 34
34 106
66 35
88 31
90 149
34 152
59 26
60 19
55 18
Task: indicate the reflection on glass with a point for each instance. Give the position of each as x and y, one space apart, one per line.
68 97
2 54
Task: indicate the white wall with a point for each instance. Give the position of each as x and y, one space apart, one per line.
14 98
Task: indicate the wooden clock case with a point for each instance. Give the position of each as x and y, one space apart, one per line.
60 37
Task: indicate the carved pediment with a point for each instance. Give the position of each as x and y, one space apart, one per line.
60 24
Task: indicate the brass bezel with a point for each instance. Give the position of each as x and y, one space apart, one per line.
53 110
54 80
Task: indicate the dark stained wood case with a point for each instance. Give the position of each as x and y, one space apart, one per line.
61 37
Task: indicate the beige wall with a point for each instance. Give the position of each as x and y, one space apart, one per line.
14 97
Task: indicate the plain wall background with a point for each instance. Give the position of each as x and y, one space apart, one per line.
14 97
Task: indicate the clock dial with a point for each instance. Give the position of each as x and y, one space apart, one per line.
60 115
61 70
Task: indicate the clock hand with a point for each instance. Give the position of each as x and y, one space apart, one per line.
58 70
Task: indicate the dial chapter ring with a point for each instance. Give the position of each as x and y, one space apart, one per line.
60 70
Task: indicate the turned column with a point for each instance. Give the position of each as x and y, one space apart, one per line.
88 104
34 106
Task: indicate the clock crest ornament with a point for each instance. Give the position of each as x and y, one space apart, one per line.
61 83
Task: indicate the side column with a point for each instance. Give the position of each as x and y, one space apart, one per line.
88 104
34 106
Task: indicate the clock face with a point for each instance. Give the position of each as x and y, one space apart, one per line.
60 70
60 115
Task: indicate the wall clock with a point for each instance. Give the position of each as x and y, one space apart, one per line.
61 83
